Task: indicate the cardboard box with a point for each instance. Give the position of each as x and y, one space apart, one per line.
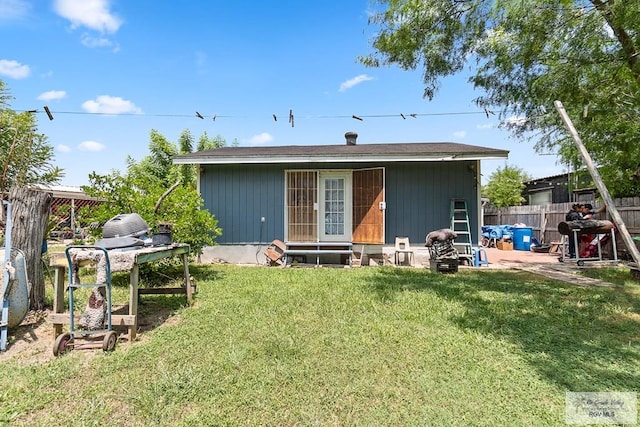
505 246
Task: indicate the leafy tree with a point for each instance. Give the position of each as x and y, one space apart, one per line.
188 172
158 191
524 54
207 143
158 166
505 186
26 157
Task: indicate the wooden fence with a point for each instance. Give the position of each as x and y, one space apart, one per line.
544 219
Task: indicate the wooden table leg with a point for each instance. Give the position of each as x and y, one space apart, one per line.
187 278
133 300
58 298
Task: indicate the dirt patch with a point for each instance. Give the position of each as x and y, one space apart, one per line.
31 342
545 264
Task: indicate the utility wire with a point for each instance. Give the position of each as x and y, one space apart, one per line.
218 116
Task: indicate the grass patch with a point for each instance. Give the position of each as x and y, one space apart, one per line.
369 346
620 276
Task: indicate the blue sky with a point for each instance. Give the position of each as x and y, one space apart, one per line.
153 64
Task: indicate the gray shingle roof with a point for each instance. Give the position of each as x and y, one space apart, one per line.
392 152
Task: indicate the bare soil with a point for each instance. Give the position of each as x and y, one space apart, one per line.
32 341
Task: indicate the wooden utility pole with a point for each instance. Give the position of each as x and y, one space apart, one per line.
611 207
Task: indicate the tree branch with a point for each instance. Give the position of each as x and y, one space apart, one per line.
628 47
164 196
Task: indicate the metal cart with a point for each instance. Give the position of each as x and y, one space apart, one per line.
67 341
596 242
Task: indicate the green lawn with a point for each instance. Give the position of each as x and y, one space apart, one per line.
369 346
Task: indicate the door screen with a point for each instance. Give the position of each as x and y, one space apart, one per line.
302 223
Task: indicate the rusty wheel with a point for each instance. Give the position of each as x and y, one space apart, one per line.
109 342
62 344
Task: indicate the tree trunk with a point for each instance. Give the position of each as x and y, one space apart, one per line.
30 216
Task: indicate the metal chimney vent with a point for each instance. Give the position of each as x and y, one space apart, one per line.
351 138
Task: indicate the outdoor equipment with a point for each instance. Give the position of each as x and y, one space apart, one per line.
443 256
124 231
93 319
125 225
14 296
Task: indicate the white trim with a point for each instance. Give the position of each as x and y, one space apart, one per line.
333 159
198 175
345 174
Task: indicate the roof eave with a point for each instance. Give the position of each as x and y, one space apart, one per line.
436 157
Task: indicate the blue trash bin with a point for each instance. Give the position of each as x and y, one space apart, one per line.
522 238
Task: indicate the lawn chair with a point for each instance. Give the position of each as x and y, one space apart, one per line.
275 253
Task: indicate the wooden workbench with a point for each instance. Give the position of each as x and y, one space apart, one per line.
138 257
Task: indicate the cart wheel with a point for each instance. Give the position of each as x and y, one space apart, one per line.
62 344
580 263
109 342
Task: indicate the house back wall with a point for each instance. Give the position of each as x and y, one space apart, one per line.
418 198
239 196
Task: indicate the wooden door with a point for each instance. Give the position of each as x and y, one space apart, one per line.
368 206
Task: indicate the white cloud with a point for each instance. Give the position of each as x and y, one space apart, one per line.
13 10
96 42
261 138
92 14
485 126
354 81
90 146
460 134
52 95
105 104
63 148
516 121
14 69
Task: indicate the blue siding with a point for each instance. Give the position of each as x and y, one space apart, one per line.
239 195
418 197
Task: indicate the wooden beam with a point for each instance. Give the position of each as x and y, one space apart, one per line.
143 257
116 319
161 291
611 207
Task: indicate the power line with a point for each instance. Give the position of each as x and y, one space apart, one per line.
273 117
50 113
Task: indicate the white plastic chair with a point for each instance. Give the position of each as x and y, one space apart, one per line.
403 247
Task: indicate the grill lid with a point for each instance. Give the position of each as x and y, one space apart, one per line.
125 225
